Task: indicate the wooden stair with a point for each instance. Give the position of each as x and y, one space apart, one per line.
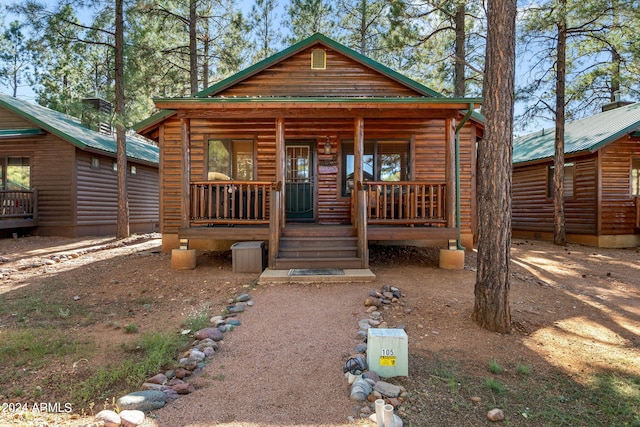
312 246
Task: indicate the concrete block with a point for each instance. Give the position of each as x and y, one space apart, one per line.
183 259
452 259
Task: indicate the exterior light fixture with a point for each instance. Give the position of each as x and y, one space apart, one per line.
327 147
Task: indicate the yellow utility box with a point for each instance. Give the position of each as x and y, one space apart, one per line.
388 352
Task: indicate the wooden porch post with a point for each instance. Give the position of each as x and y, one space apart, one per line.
450 171
185 166
281 166
358 149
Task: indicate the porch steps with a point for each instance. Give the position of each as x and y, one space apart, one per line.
318 246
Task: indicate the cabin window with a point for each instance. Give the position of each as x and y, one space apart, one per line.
318 59
569 169
230 159
95 163
15 173
635 177
382 160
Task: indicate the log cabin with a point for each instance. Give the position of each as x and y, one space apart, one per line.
318 151
58 177
601 180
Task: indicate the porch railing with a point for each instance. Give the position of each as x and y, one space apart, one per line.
230 202
637 202
18 204
406 202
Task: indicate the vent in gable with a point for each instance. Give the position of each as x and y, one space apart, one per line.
318 59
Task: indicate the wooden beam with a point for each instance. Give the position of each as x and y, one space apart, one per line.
450 172
185 167
290 112
358 149
281 166
257 104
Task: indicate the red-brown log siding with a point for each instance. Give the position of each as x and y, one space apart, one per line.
342 77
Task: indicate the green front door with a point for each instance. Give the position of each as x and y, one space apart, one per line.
299 185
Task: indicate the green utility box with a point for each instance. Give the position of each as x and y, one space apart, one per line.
248 257
388 352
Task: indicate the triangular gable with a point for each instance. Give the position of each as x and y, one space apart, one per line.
300 49
71 130
585 135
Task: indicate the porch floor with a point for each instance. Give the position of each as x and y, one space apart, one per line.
350 276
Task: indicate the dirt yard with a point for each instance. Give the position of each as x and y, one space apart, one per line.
575 313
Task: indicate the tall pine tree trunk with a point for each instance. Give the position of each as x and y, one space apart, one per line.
193 46
559 228
121 141
491 309
459 89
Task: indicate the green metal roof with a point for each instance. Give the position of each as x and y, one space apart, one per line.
70 129
422 90
585 135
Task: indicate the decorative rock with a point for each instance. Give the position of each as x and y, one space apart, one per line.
234 322
170 394
212 333
151 386
188 363
387 389
375 315
216 320
158 379
243 298
181 373
364 324
184 388
235 308
208 342
495 415
145 400
131 418
361 335
208 351
371 375
109 418
356 364
372 301
197 355
360 389
361 348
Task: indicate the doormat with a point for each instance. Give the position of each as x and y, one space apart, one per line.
316 272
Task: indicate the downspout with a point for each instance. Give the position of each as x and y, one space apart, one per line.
457 144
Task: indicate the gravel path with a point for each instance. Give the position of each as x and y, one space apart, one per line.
283 365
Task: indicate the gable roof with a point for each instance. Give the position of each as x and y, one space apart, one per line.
71 130
422 92
584 135
327 42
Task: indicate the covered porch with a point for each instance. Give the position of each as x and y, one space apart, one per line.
374 210
18 209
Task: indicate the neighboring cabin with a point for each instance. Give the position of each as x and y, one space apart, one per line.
317 151
57 177
602 188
